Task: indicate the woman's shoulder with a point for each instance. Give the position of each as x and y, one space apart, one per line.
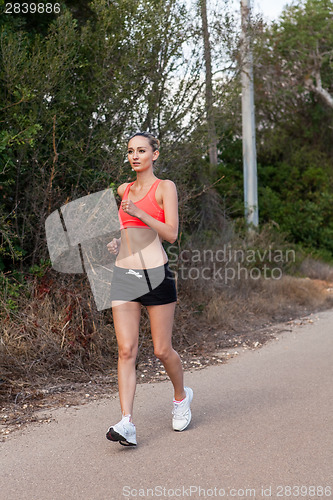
166 190
122 188
167 184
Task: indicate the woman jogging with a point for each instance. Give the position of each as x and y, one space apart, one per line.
148 215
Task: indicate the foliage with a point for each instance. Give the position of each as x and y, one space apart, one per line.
294 127
72 91
74 86
295 148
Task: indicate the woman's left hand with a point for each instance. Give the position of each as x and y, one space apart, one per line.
130 208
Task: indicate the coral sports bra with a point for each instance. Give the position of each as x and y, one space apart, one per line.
148 204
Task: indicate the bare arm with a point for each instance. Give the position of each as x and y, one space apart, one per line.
114 245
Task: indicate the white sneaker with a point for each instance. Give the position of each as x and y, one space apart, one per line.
182 412
124 432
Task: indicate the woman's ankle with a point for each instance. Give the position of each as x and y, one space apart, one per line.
179 396
127 416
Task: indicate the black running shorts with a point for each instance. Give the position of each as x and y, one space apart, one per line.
153 286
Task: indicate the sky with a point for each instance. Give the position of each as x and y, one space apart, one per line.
271 9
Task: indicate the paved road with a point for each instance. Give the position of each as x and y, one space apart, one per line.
262 423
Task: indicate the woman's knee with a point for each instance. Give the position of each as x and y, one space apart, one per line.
127 352
163 353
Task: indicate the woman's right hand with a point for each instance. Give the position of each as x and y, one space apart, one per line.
114 246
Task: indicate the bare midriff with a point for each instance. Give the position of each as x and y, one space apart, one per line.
140 248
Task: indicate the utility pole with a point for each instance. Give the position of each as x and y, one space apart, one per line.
248 122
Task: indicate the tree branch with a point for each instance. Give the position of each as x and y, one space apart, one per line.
318 89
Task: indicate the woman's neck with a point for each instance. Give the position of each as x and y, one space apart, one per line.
144 180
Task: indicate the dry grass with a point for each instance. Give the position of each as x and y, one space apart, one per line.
248 293
53 330
267 300
316 269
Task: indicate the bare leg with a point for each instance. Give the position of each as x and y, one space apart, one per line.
126 319
161 323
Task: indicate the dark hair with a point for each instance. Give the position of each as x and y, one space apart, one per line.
153 141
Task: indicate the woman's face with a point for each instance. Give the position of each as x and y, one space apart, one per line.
140 153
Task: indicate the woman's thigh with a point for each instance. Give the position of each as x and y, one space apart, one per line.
126 320
161 324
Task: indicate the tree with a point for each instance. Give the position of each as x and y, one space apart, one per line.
295 148
296 54
209 90
73 92
306 49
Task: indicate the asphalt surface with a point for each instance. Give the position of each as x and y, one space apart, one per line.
262 427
